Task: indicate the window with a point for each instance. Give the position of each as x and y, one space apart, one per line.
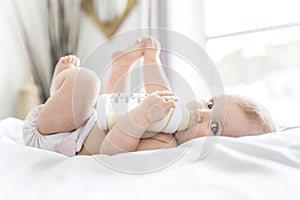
256 47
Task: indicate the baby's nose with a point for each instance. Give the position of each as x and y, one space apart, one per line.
203 115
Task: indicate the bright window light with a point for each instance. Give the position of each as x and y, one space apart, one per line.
256 47
223 17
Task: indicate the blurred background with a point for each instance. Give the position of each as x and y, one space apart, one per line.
254 44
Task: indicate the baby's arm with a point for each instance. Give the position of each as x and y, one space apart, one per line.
126 134
154 76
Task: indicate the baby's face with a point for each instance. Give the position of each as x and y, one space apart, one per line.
207 119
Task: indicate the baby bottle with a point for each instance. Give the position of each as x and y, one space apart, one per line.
111 107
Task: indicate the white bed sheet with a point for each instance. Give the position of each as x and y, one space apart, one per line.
257 167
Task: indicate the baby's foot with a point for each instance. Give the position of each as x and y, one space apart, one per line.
123 59
152 49
64 63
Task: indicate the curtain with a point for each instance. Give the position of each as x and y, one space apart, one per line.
47 30
154 15
63 27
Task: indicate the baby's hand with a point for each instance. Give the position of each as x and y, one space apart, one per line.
155 107
151 49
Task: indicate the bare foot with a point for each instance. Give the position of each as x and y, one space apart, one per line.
123 59
151 49
64 63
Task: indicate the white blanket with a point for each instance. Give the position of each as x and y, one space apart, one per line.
257 167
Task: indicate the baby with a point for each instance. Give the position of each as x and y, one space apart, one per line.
66 123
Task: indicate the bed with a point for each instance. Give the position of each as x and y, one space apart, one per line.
256 167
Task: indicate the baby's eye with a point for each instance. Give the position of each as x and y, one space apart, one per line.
214 127
210 104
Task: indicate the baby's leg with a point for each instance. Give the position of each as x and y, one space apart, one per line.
73 93
155 78
121 64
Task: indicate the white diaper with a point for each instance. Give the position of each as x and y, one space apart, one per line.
67 143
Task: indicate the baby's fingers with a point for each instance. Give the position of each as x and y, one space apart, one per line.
164 93
169 104
167 95
168 98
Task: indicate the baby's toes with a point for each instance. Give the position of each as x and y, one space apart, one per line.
138 42
63 60
75 60
71 59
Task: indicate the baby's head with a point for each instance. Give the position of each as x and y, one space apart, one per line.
243 117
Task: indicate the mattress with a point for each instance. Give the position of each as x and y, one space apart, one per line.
252 167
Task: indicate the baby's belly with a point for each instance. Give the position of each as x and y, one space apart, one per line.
158 141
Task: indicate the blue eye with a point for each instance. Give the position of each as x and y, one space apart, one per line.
210 104
214 127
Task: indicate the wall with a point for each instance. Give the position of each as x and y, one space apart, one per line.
91 36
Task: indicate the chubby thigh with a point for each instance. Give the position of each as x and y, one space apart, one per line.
93 142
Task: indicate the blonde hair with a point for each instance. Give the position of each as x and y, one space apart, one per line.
256 113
